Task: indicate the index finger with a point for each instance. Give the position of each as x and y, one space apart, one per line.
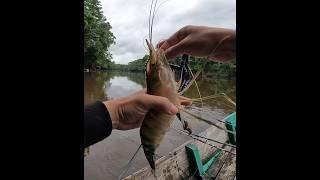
185 101
174 39
160 43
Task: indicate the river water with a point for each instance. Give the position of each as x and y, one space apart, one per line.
107 158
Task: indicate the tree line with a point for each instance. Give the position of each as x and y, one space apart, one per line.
196 64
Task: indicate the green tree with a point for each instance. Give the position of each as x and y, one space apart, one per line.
97 36
139 64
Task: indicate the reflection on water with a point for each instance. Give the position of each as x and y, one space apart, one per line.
121 86
109 85
108 157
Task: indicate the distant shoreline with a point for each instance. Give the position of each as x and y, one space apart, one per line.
202 76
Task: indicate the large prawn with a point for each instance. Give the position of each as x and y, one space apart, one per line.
161 82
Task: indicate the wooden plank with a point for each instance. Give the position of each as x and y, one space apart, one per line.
176 165
216 167
228 170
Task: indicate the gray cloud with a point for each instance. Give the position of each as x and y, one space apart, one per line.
129 20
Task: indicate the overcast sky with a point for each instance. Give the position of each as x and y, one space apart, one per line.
129 21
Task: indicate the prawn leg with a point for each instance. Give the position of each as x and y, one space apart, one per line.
185 76
184 124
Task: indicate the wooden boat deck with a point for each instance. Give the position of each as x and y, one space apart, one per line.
176 165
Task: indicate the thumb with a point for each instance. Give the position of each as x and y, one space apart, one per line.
160 103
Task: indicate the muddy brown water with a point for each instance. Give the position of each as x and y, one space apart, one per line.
107 158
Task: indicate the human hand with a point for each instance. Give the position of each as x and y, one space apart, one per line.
128 112
214 43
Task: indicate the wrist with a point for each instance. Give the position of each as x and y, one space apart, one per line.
112 107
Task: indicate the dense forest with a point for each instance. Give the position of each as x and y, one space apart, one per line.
207 67
98 38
